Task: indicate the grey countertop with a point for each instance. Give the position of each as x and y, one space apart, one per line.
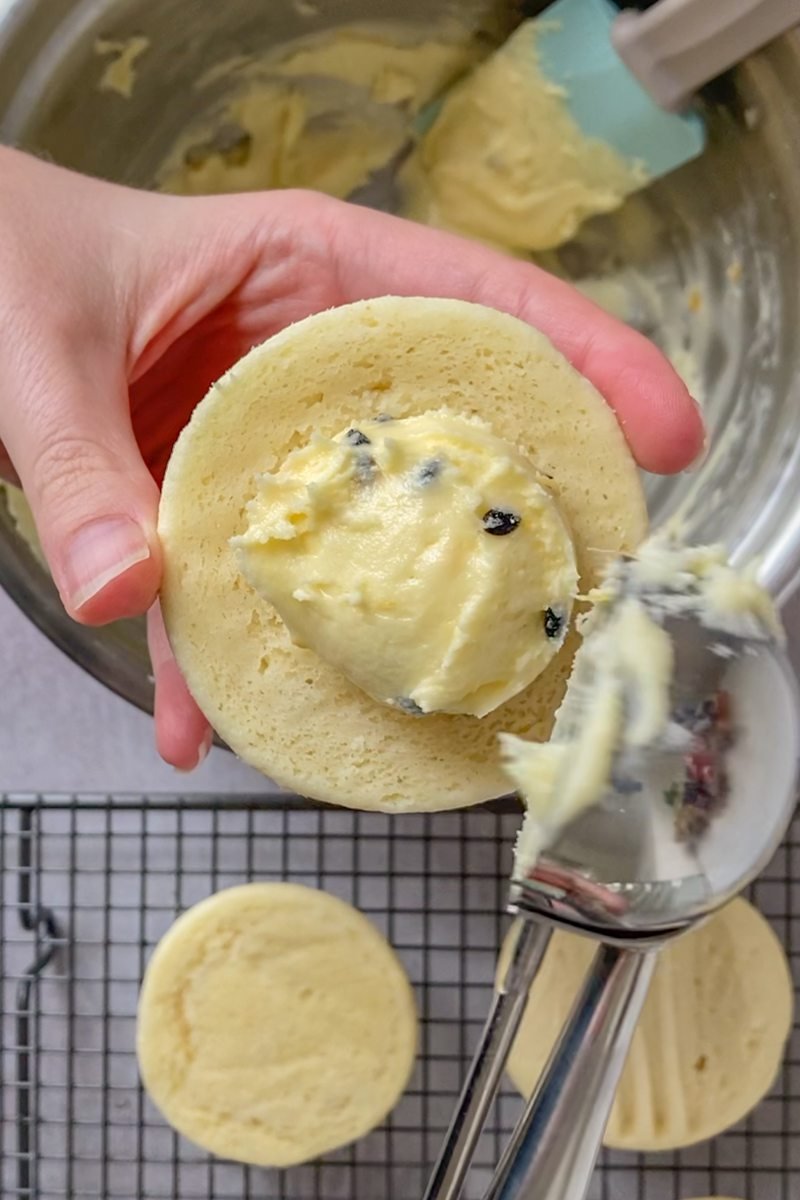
62 731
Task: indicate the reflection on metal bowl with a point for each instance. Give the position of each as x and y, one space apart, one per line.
707 262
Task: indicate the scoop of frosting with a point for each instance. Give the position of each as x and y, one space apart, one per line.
619 697
422 557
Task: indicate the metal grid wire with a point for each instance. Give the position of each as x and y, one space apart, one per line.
89 884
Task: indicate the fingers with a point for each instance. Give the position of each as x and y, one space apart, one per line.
65 423
183 736
377 255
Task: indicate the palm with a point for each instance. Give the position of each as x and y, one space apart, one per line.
258 304
266 271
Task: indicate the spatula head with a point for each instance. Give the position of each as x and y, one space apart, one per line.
572 43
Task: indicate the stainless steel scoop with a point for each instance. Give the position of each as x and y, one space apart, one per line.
680 832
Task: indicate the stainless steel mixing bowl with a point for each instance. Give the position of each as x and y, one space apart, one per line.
709 259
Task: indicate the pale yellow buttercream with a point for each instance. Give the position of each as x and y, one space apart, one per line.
304 134
393 71
322 116
506 162
120 74
422 557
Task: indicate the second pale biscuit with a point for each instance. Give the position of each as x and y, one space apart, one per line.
710 1040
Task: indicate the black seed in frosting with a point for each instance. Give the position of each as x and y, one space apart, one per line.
382 418
428 471
499 523
354 437
407 705
553 623
365 467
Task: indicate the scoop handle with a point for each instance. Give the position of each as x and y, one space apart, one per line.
508 1006
552 1152
678 45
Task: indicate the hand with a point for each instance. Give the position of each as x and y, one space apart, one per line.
119 308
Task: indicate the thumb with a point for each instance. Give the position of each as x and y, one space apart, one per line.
68 432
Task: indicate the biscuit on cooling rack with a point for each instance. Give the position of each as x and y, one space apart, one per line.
275 1024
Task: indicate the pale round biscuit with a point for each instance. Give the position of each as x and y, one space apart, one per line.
275 1024
710 1040
281 708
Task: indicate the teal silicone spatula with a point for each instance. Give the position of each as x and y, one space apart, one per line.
628 75
575 50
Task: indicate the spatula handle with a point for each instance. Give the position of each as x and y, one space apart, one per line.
552 1151
676 46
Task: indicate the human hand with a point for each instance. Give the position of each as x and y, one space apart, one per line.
120 308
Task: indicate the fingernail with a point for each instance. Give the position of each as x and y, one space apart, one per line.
99 552
202 753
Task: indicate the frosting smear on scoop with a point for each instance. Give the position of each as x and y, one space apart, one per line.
424 558
618 700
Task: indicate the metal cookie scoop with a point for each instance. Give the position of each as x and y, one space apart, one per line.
685 825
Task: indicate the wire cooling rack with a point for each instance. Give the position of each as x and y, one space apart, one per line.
90 883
